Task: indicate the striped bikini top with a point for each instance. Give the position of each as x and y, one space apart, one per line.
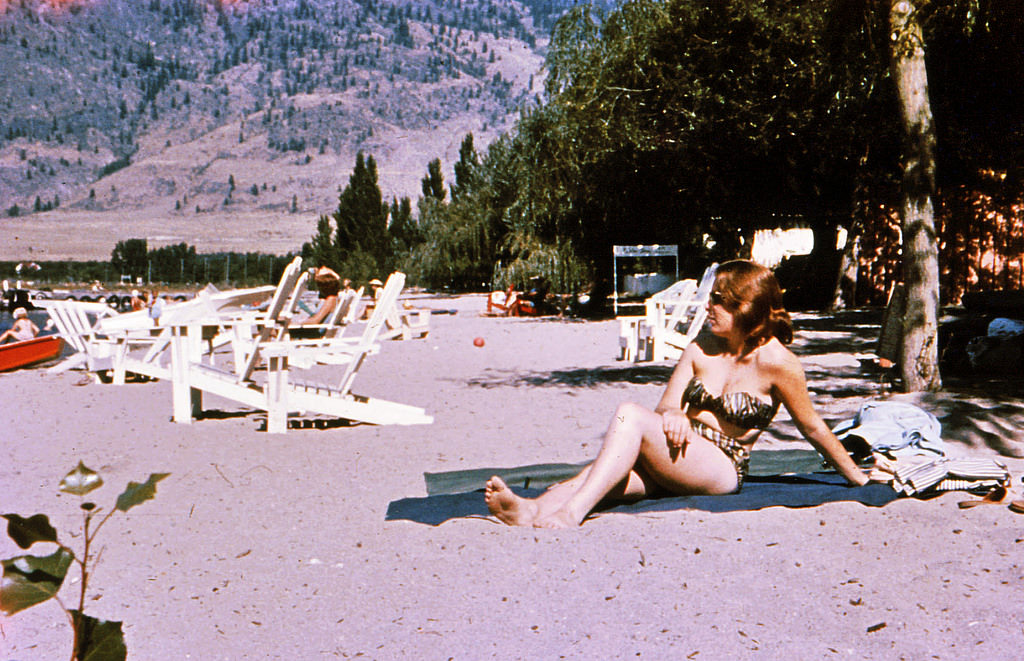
737 408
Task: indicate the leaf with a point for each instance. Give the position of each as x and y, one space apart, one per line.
81 481
135 493
29 580
26 532
98 640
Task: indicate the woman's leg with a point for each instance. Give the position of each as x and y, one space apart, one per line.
518 511
616 460
636 444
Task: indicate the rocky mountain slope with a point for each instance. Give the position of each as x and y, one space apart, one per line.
217 122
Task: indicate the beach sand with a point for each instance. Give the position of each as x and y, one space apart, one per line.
261 546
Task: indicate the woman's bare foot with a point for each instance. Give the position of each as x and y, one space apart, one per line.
508 507
558 519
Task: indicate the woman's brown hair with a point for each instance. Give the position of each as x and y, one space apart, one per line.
327 282
752 294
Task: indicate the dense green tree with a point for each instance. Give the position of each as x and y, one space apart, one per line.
466 167
130 257
665 122
361 238
173 263
433 184
320 251
402 227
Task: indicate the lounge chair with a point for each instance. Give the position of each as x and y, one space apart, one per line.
75 322
107 342
344 314
280 394
406 324
673 318
140 347
502 303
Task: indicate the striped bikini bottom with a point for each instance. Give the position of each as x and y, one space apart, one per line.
737 453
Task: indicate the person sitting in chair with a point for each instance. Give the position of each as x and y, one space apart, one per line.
502 302
328 286
22 329
534 302
137 303
723 393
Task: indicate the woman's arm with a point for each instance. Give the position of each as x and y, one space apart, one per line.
675 422
791 386
325 309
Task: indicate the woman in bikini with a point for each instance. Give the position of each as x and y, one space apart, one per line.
724 391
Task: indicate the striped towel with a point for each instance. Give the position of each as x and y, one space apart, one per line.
946 474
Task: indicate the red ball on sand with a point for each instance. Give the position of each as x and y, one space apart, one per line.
478 342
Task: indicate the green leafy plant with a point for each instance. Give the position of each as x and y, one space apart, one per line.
31 579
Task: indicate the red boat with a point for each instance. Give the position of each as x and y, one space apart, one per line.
28 352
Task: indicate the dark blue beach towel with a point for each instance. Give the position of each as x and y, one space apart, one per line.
778 478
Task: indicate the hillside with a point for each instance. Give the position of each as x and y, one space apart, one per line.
217 123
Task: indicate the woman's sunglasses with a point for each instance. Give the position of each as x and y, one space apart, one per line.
716 298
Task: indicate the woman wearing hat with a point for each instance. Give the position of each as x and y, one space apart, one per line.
137 302
22 329
376 291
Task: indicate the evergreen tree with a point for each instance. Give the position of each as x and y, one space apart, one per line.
361 221
433 183
130 257
466 168
321 250
402 228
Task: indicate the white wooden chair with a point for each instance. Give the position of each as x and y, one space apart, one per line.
279 394
344 314
140 347
406 324
75 322
131 343
673 318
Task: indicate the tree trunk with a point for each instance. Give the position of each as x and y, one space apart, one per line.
920 356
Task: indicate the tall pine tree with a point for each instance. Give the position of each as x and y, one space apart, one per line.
466 168
361 238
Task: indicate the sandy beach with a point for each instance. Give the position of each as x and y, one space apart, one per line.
264 546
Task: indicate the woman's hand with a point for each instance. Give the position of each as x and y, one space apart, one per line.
676 426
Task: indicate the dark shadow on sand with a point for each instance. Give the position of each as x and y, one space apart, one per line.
260 417
580 378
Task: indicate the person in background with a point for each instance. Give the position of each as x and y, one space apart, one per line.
136 301
22 329
156 307
376 288
376 291
328 285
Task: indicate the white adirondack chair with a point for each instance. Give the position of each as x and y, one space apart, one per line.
673 318
344 314
406 324
140 347
279 394
75 322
